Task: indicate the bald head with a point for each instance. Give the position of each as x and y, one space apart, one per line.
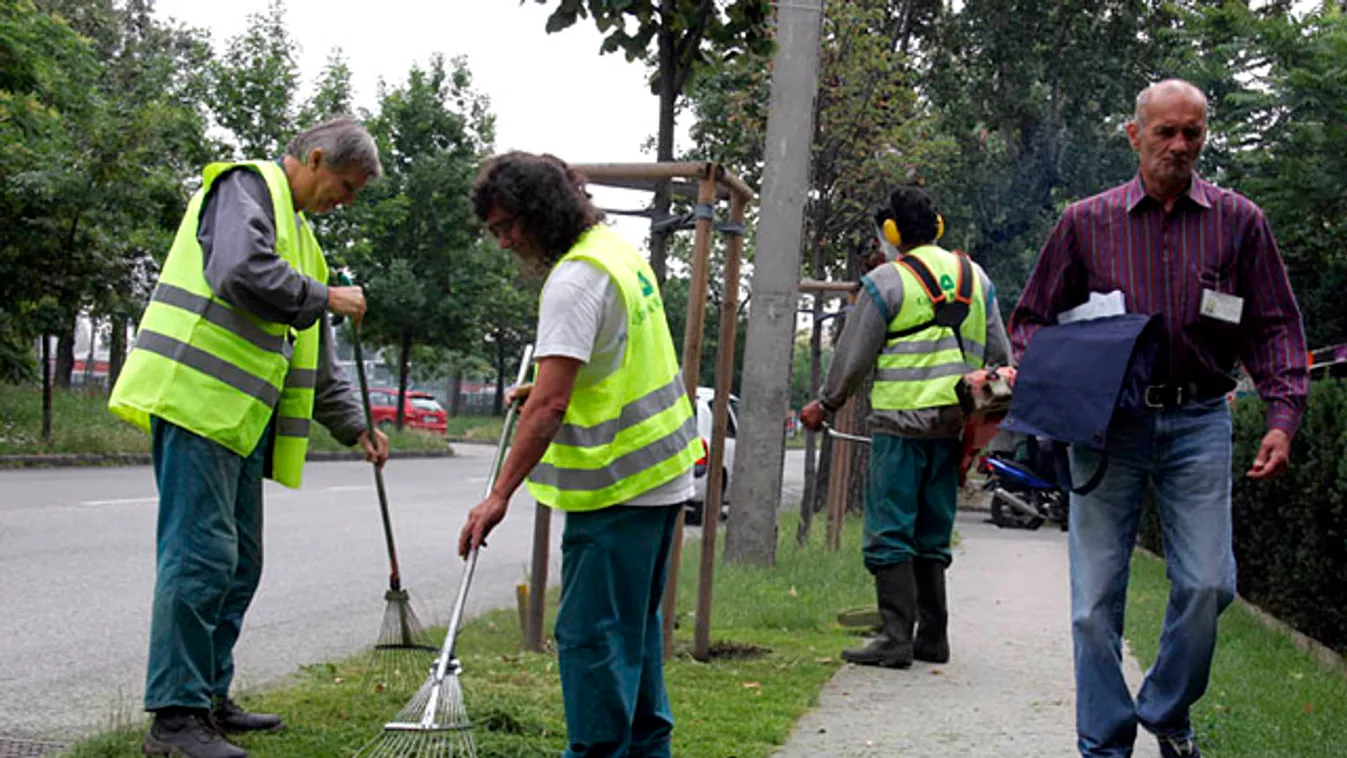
1169 91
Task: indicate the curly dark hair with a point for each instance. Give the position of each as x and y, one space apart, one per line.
543 193
914 213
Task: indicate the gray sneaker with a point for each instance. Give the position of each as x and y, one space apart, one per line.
189 734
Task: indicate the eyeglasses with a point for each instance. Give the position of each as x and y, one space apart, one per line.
498 227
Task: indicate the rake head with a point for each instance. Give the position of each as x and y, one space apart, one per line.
433 724
403 651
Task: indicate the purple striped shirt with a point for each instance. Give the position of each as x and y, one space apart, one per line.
1212 239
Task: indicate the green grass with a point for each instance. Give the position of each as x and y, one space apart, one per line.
81 423
741 707
1267 699
476 428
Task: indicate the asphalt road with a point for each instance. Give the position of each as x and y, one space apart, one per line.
77 575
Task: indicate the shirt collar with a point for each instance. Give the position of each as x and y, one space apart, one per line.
1135 192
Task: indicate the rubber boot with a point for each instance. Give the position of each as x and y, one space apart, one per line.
892 647
932 640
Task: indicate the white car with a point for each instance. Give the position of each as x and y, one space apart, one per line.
705 396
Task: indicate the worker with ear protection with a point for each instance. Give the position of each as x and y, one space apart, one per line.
921 321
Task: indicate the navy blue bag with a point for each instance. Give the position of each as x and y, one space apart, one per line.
1073 379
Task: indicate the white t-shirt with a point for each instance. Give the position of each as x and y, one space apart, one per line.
582 316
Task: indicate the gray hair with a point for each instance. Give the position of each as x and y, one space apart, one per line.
344 142
1144 97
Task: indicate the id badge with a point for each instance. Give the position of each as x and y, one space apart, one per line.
1222 307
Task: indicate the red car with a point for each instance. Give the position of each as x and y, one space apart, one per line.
422 411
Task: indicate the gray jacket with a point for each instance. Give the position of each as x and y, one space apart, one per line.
237 231
863 338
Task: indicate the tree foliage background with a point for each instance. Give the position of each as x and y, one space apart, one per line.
1006 110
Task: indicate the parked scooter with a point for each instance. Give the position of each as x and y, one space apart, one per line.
1023 497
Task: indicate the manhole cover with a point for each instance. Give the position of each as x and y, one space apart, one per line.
16 748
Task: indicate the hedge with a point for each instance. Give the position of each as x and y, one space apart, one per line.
1291 533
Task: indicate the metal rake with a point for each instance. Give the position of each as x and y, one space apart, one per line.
435 723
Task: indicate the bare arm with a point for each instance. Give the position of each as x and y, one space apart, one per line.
539 422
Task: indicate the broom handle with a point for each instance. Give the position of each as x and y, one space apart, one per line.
456 618
394 575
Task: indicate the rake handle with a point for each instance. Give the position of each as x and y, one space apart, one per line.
456 618
394 574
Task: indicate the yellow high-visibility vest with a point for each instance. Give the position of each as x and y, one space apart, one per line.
634 430
215 370
921 370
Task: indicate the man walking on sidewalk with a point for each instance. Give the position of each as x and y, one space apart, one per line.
608 436
1204 259
233 359
921 322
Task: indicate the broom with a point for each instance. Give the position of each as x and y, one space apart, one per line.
434 723
403 648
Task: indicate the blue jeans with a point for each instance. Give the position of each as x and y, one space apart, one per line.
209 562
609 637
1186 455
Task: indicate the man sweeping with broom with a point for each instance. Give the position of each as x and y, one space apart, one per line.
607 435
233 360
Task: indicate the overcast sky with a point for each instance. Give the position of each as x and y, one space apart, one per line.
550 92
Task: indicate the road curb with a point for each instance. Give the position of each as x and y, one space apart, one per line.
84 460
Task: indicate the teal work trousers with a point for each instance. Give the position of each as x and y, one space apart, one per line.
911 501
609 637
209 563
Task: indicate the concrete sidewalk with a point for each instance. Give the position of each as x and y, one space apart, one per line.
1008 689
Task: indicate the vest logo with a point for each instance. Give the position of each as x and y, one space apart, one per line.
647 289
947 283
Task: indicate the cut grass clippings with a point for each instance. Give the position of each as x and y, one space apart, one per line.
1266 699
776 627
81 423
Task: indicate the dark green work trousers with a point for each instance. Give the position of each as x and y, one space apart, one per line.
609 638
911 500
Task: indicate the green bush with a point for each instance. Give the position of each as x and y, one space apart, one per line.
1291 533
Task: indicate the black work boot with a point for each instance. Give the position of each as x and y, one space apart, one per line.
892 647
187 733
230 717
932 641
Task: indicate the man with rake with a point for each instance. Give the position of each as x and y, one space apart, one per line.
233 360
607 435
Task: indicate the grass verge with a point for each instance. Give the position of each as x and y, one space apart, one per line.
735 705
1266 699
81 423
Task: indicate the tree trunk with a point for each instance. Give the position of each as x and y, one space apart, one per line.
46 389
92 356
807 509
404 368
116 350
498 405
65 358
860 458
659 241
823 475
456 396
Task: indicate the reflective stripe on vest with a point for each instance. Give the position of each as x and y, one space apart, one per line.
921 370
633 430
633 413
203 365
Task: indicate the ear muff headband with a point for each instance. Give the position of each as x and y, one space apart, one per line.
895 238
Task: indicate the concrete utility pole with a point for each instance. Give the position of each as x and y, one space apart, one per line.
755 493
